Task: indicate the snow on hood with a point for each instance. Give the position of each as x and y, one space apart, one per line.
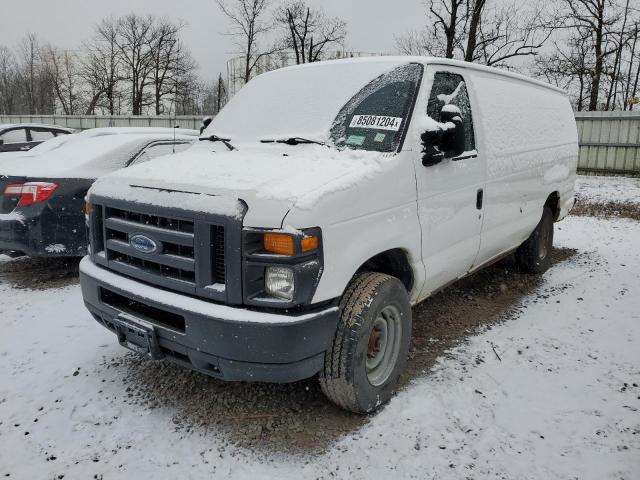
275 175
301 101
82 156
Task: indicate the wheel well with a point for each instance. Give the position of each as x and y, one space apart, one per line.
393 262
553 202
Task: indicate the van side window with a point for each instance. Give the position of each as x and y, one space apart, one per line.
450 89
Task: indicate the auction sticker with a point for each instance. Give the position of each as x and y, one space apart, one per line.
376 122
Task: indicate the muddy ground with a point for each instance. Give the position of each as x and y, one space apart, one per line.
296 417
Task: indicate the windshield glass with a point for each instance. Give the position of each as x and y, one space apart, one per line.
299 102
377 117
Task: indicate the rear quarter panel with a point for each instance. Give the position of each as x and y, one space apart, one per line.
529 135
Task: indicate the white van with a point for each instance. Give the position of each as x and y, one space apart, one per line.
320 205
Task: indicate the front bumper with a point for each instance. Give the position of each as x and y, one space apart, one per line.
45 233
229 343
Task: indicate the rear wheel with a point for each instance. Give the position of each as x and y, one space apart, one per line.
369 350
534 255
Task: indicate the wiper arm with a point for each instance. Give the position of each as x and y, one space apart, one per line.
295 141
215 138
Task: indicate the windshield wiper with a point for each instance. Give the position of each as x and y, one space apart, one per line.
295 141
215 138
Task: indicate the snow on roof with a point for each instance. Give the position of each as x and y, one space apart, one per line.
431 61
33 125
97 132
86 156
303 100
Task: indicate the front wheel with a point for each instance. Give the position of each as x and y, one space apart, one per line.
534 255
369 350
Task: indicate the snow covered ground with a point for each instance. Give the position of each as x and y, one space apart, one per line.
599 189
551 393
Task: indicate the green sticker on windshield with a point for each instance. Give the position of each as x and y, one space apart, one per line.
379 137
355 140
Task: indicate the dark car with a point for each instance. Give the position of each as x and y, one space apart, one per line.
42 195
23 137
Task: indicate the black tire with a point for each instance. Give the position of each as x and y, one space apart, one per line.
346 379
534 255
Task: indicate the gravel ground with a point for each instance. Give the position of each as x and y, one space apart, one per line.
297 417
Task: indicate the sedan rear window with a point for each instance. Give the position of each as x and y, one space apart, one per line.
41 135
18 135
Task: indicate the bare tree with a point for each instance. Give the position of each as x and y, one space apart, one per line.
171 61
594 20
9 82
134 36
307 32
477 31
621 41
474 14
30 56
248 27
102 69
568 67
631 86
62 67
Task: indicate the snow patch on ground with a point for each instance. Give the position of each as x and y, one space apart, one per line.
13 216
55 248
597 189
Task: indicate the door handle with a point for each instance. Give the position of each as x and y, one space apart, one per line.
479 198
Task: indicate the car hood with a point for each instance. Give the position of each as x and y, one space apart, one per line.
270 178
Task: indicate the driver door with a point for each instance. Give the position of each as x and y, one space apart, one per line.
450 193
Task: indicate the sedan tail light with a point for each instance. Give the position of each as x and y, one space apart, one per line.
31 192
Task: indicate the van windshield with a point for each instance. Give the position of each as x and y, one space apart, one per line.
377 117
318 103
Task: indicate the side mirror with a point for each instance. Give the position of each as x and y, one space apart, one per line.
1 141
432 153
205 123
445 141
454 139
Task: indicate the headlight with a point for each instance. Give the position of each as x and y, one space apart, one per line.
281 267
279 282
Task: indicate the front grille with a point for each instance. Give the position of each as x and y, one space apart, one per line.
174 261
190 254
153 220
218 253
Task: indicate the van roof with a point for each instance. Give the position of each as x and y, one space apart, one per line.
436 61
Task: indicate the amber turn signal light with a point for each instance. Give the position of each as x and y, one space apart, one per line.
278 243
309 243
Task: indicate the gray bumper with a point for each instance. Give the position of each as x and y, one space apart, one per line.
229 343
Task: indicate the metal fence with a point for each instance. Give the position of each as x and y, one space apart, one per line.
609 141
84 122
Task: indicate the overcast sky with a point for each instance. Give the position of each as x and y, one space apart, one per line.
372 24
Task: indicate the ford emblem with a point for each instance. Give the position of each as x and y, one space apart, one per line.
143 244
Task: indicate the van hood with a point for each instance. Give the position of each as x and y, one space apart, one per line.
270 179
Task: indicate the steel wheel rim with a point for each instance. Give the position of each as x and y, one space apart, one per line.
543 245
383 345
